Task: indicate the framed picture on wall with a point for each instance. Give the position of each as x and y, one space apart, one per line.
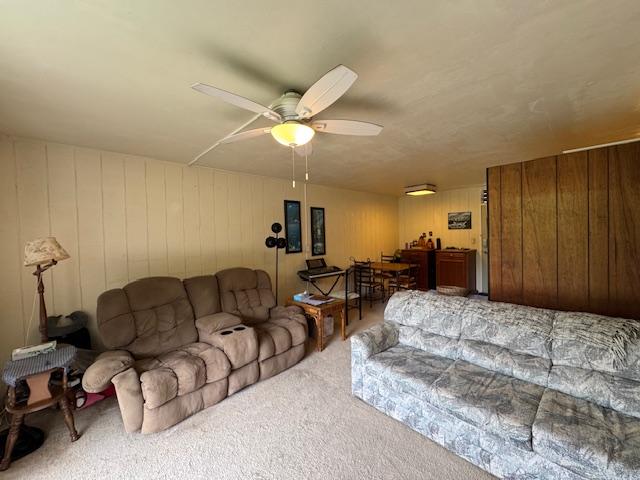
460 221
292 226
318 246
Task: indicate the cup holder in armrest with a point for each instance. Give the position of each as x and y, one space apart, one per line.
239 344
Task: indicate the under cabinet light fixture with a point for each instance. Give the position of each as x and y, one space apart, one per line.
423 189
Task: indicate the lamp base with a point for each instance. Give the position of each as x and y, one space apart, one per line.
29 440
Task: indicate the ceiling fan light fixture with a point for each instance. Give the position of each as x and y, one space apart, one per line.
292 134
417 190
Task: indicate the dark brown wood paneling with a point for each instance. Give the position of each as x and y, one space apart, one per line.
539 233
624 230
598 230
565 231
511 222
573 231
495 233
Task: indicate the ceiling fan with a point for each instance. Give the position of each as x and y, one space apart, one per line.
294 113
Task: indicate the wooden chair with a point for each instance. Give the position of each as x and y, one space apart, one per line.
367 281
351 294
404 281
385 277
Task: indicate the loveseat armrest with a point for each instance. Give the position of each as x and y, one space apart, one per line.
108 364
292 312
374 340
366 344
210 324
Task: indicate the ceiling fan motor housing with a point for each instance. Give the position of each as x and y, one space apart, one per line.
286 105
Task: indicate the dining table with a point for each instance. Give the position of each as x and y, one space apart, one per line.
393 268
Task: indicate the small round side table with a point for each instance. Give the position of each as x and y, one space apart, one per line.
36 371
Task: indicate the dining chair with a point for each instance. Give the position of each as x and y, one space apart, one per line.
367 281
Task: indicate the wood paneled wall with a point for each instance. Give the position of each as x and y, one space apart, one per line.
123 217
564 231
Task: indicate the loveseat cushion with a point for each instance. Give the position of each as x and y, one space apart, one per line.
586 438
428 311
406 369
246 293
203 294
502 360
618 393
571 350
499 404
163 316
429 342
180 372
519 328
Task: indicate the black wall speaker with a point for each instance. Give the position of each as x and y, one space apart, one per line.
276 228
438 244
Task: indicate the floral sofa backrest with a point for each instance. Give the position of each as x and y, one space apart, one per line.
588 356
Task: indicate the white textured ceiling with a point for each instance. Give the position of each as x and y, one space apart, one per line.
458 85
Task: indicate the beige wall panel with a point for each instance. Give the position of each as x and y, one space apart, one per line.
91 256
206 210
191 202
64 226
10 255
221 220
261 226
234 200
175 220
114 217
136 217
31 161
156 218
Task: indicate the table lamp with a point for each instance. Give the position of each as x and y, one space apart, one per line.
44 253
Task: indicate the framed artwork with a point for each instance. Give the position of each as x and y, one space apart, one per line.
292 226
460 221
318 246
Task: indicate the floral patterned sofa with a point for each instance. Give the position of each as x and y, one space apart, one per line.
521 392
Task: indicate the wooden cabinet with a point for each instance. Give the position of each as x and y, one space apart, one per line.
456 268
425 259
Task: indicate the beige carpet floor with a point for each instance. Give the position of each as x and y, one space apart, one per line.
301 424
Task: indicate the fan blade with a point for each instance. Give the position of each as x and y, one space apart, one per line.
306 149
236 100
246 135
346 127
324 92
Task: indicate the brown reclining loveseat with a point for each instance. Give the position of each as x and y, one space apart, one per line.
181 346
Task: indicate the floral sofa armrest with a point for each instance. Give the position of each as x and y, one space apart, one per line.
365 344
108 364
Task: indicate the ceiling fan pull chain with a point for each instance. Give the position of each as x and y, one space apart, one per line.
306 167
293 167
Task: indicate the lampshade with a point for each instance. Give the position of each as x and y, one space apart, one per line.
43 250
292 134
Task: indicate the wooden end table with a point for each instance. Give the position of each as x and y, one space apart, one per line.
319 313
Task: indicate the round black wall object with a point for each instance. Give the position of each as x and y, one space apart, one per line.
270 242
282 243
276 228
